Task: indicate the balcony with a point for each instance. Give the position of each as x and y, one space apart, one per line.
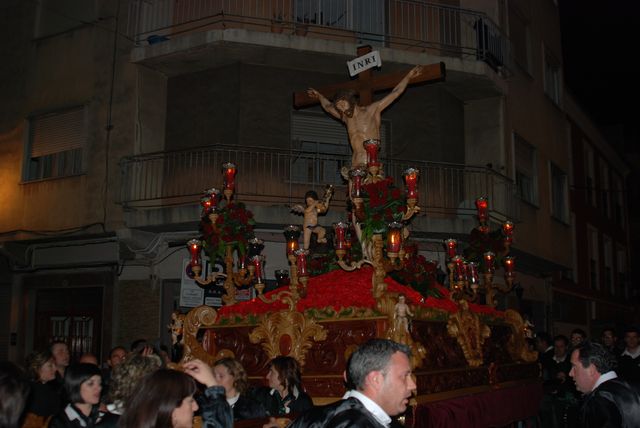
272 177
397 24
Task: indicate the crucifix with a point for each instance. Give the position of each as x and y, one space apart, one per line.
363 119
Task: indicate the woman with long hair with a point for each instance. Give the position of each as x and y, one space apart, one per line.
231 375
286 394
126 376
165 399
44 399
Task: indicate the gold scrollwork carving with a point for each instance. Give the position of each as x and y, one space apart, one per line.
202 316
517 345
288 333
470 332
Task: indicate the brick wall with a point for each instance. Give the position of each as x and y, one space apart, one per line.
137 309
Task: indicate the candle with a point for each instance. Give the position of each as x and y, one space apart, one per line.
451 245
194 246
209 201
509 265
340 229
256 261
507 229
394 238
301 262
472 273
357 175
292 233
411 180
229 172
489 257
372 147
482 204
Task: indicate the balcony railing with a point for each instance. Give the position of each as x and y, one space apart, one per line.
399 24
268 176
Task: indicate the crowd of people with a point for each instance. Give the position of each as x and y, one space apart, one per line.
590 383
136 390
586 384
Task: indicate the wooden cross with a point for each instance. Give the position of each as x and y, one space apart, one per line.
366 84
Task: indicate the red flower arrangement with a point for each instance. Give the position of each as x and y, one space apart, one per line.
480 243
418 273
383 204
233 226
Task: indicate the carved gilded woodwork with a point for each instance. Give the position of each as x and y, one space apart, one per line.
470 333
287 333
202 316
387 305
517 345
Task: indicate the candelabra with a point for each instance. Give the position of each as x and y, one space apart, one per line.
249 260
365 185
464 276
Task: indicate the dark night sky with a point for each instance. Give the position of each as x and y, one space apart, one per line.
600 43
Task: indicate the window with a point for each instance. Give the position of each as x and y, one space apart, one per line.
323 146
608 273
605 204
590 174
617 198
592 243
552 77
559 194
56 142
520 37
367 18
526 170
621 272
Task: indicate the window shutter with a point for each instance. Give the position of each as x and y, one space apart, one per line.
57 132
320 128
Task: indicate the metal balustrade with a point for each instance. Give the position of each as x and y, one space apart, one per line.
272 176
399 24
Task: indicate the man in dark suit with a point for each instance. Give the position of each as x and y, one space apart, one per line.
629 359
380 371
609 402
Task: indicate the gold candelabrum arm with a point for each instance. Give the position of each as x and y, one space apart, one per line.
461 289
297 288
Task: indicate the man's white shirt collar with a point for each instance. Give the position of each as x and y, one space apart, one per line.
603 378
560 360
377 412
633 354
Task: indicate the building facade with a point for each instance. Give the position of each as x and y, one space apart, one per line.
121 113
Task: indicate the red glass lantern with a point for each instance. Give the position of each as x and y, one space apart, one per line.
507 229
301 262
340 229
482 205
209 201
489 260
292 234
372 148
452 246
357 175
229 174
509 265
256 262
411 180
194 246
394 238
460 269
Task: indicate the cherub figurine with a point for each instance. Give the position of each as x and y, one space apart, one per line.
401 313
310 212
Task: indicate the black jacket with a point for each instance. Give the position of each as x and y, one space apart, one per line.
277 406
342 414
247 408
214 409
613 404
